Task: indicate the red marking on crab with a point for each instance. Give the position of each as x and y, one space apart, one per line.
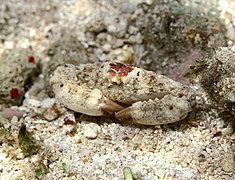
118 69
14 93
112 72
31 59
67 121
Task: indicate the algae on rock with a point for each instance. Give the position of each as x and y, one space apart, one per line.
173 29
218 79
28 144
17 70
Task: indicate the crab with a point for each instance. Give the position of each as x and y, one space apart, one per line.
127 92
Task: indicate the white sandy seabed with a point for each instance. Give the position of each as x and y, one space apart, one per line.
87 149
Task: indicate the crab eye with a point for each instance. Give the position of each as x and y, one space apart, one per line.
61 85
180 95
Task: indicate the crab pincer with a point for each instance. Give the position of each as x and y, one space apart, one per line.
169 109
73 94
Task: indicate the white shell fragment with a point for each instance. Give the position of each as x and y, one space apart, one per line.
91 130
98 89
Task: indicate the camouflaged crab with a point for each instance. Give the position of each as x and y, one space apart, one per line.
125 91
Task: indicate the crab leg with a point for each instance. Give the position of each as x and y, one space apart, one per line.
171 108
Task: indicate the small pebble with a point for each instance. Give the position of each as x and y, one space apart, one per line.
9 44
95 157
228 163
91 130
9 113
160 173
189 175
50 115
14 120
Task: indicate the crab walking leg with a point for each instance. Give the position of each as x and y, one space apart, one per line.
171 108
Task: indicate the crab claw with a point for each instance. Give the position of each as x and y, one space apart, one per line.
171 108
81 98
87 101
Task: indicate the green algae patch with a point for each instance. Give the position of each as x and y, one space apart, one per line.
27 142
174 30
198 68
